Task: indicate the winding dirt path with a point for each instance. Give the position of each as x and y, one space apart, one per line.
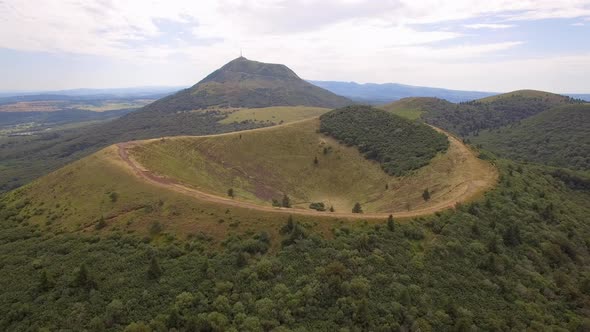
463 192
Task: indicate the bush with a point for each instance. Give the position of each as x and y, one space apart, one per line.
318 206
357 208
398 144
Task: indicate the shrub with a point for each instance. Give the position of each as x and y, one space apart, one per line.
318 206
357 208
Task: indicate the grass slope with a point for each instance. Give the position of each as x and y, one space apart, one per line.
275 114
413 107
76 197
239 84
251 84
548 97
26 158
264 164
557 137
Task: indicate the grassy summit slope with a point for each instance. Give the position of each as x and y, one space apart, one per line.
548 97
252 84
557 137
273 115
413 107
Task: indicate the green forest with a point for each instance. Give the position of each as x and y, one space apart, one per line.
515 260
469 118
557 137
398 144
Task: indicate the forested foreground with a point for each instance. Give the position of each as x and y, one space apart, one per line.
517 259
399 145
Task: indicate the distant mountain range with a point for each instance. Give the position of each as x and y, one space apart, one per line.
371 93
81 94
374 93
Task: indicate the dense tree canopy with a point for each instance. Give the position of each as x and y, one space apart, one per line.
469 118
515 260
557 137
398 144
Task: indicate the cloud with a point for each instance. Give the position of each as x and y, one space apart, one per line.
577 24
110 27
354 37
488 26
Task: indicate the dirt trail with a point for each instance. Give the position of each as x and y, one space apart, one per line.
461 193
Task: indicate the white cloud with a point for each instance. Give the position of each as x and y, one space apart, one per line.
577 24
347 39
488 26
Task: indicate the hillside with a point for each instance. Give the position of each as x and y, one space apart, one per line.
375 93
159 262
123 248
413 107
397 144
252 84
469 118
556 137
548 97
199 110
265 164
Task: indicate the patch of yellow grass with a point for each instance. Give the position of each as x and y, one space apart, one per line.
276 114
112 106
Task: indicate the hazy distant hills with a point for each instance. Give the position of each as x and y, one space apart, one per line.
374 93
149 92
387 92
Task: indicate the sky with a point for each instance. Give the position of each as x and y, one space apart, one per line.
487 45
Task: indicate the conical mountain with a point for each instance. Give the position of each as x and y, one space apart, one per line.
240 83
251 84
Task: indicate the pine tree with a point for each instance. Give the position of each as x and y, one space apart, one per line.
331 208
155 228
289 226
426 194
154 272
83 278
44 283
100 224
286 201
512 236
230 192
390 223
357 208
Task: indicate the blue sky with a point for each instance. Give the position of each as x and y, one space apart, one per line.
492 45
